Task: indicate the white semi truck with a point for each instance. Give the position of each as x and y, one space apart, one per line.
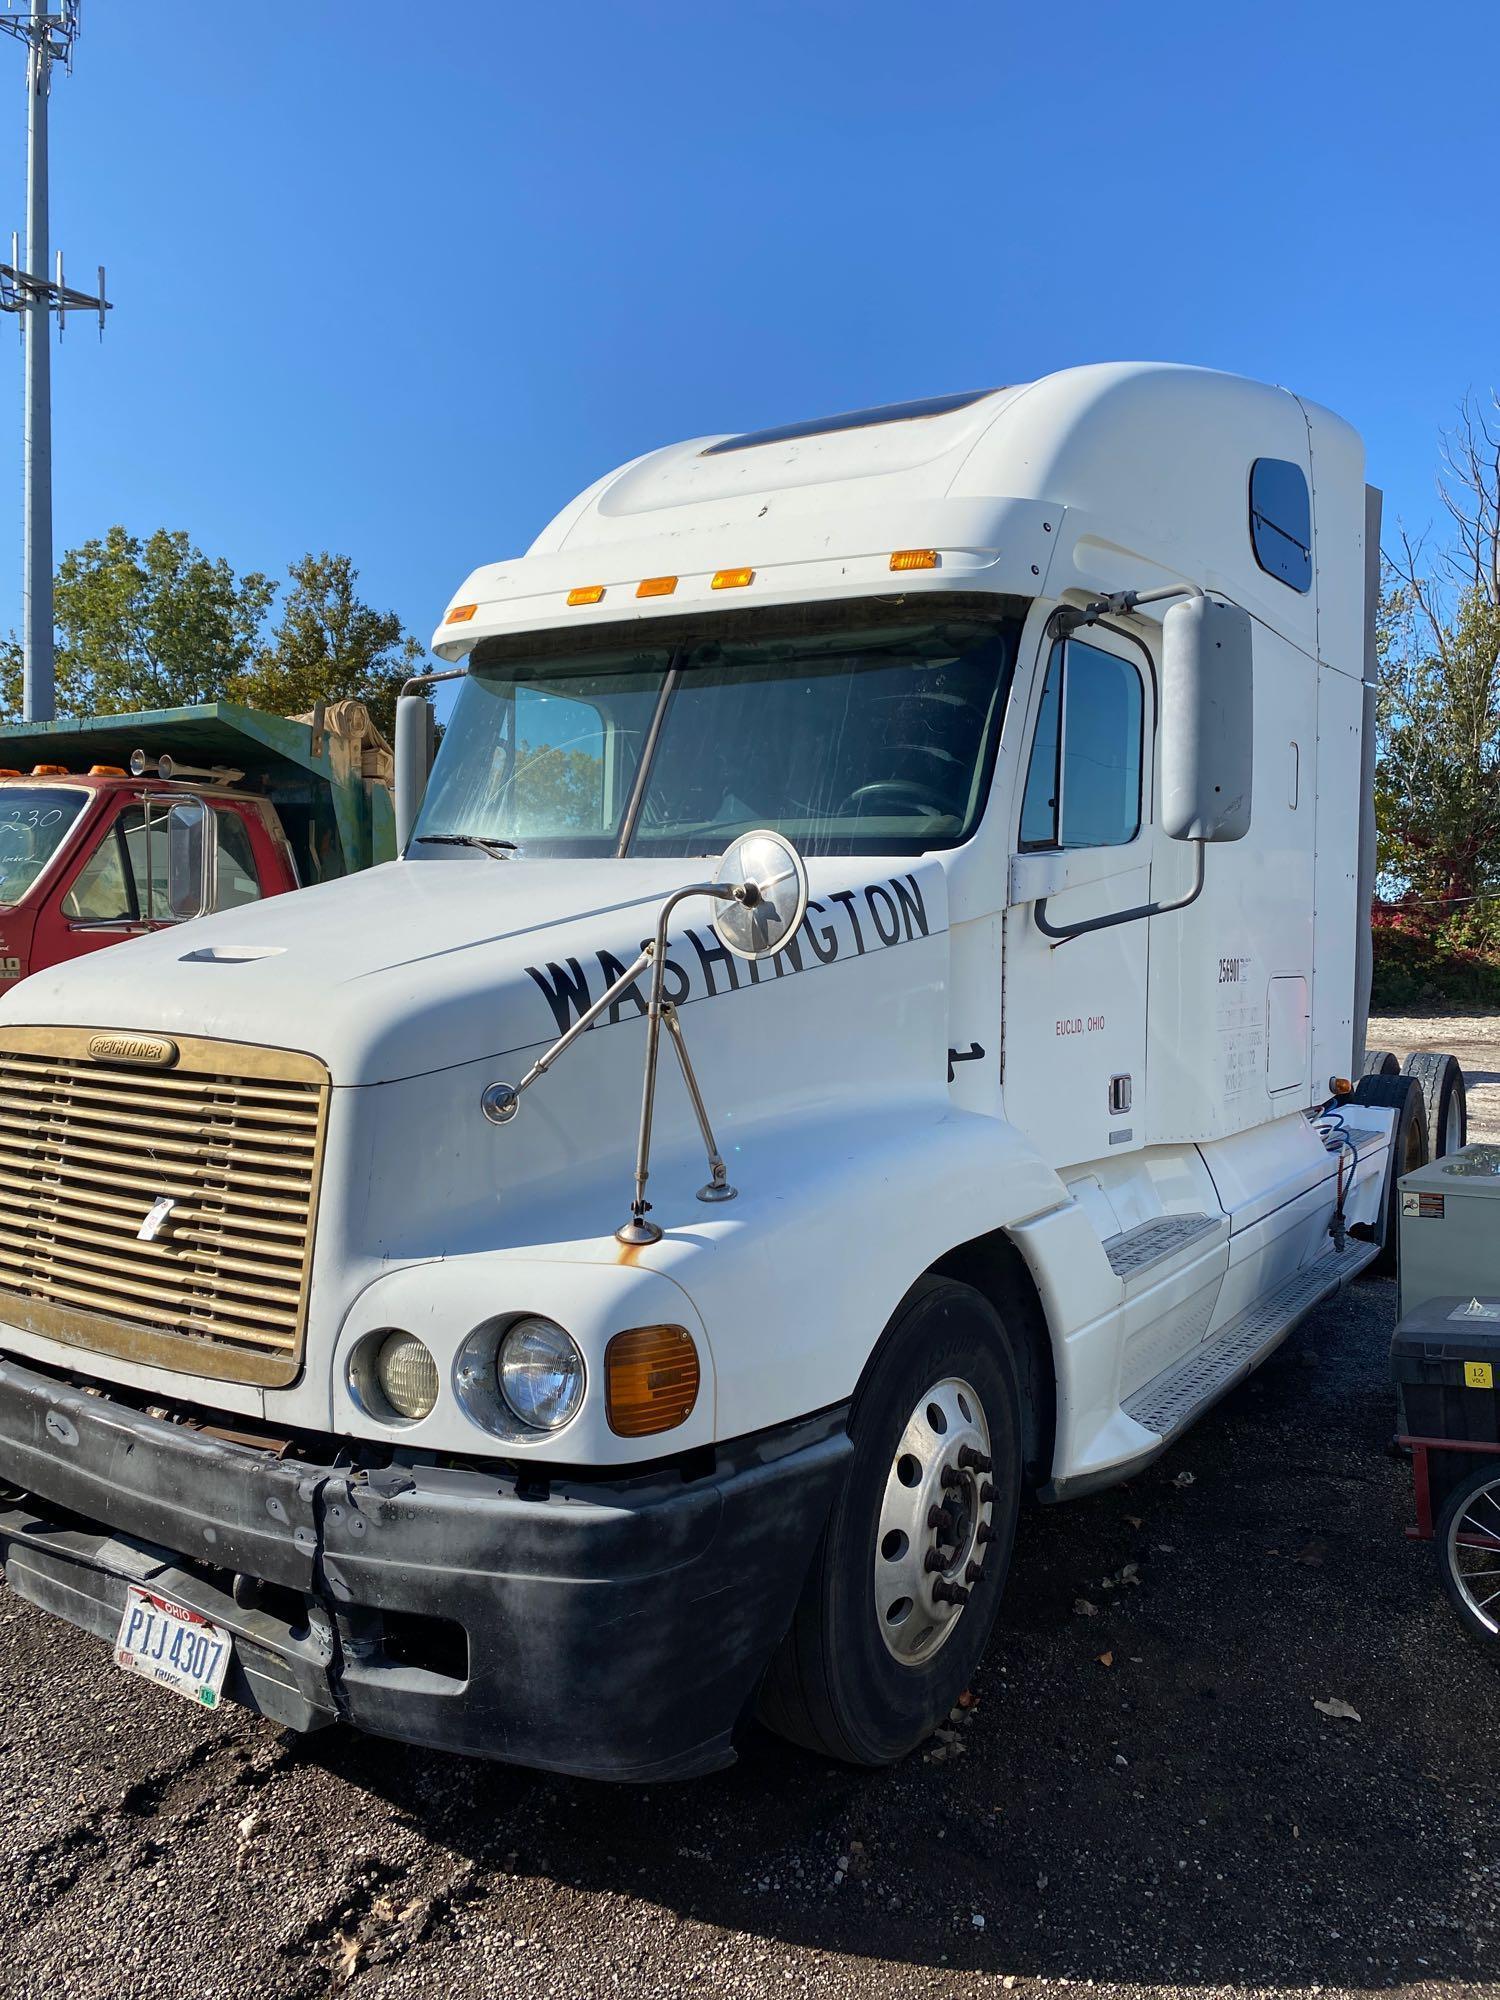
1013 752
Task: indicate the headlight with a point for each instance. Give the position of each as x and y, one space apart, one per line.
540 1372
407 1375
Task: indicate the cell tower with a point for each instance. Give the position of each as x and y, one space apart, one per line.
28 291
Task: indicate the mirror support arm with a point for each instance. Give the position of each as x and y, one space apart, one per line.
1061 933
638 1229
1116 604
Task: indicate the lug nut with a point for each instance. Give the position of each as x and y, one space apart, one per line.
941 1519
951 1477
986 1534
933 1560
986 1494
974 1573
950 1593
975 1461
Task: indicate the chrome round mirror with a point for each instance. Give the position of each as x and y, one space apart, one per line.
770 883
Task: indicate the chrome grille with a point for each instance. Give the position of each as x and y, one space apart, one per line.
232 1134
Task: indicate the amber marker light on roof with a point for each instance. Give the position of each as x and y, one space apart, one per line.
650 1380
460 614
915 559
586 593
732 579
49 770
106 770
656 586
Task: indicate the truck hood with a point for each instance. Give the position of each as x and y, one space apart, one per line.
421 966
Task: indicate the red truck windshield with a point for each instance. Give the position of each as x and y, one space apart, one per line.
34 822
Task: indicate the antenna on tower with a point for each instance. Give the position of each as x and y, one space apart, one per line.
33 296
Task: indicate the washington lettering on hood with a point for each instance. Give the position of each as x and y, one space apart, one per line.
845 924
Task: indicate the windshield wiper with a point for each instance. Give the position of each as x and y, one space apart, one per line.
497 850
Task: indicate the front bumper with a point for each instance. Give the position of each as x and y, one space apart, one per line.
608 1631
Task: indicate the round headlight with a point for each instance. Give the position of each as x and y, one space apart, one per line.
407 1375
541 1373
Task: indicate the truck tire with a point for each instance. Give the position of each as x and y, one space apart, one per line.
1447 1100
1410 1149
1468 1553
903 1591
1380 1062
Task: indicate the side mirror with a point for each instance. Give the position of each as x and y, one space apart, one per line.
414 746
1207 721
191 854
768 881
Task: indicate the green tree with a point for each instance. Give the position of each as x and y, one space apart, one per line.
1438 742
330 644
152 624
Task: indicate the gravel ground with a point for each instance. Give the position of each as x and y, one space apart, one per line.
1473 1038
1142 1798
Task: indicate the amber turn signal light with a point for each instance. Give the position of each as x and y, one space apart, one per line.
732 579
915 559
650 1380
656 586
460 614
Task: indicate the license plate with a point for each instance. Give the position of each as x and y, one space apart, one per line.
166 1643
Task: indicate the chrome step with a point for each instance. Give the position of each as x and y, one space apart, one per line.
1174 1399
1132 1250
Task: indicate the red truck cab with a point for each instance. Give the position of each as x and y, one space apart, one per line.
84 804
83 858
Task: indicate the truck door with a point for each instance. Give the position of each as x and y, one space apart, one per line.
118 889
1074 1030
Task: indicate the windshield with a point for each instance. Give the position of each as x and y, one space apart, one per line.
876 740
34 820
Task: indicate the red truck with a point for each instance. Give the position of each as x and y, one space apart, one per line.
84 808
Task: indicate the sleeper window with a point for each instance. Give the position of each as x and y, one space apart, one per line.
1083 786
1281 521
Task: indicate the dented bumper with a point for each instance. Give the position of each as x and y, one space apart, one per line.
609 1631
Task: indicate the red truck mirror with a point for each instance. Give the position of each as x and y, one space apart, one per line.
191 851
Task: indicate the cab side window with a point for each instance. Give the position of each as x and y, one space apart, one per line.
1083 785
238 881
101 892
125 879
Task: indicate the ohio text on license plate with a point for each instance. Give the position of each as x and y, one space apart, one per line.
163 1642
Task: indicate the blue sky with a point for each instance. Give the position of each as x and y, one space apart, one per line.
399 279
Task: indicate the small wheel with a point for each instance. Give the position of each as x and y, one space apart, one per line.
1409 1150
908 1577
1468 1553
1442 1085
1380 1062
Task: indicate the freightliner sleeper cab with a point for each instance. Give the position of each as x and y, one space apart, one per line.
351 1365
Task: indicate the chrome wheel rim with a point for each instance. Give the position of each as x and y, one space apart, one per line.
1474 1554
936 1522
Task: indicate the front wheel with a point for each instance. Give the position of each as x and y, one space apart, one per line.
908 1577
1468 1552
